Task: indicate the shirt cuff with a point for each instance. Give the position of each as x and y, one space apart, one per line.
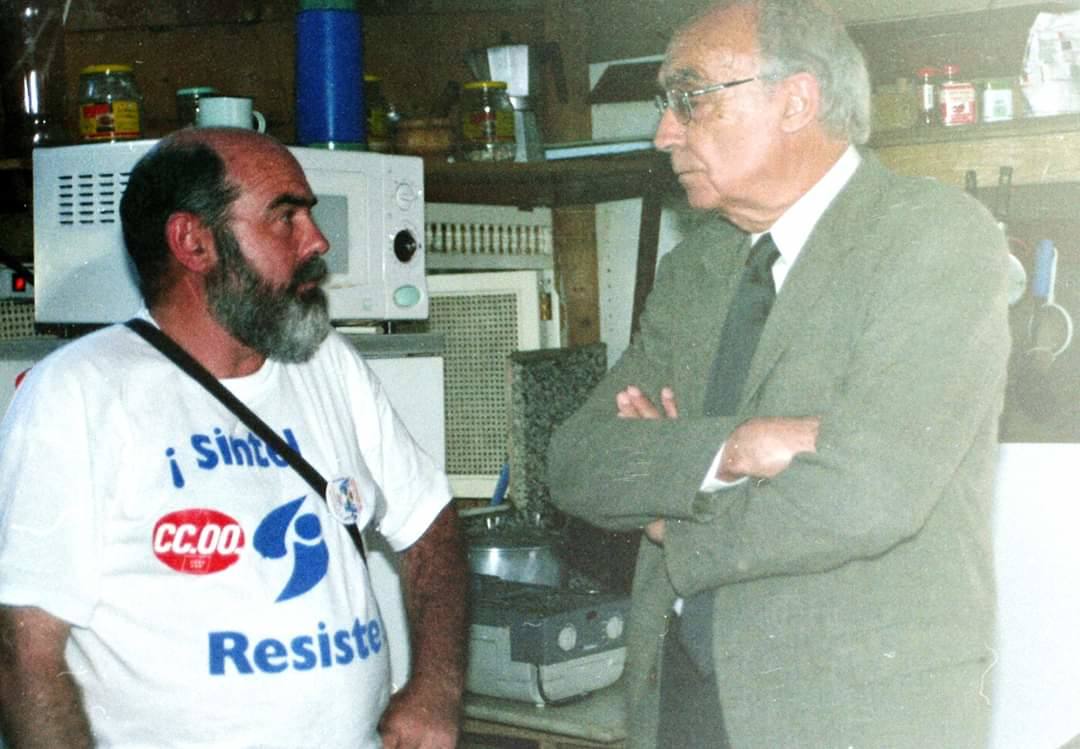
711 482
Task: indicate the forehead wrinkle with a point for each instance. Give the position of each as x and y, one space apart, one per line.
684 68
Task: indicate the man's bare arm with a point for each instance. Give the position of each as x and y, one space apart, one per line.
426 713
40 704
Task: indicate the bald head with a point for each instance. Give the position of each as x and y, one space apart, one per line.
232 144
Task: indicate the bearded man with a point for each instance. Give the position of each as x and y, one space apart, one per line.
167 578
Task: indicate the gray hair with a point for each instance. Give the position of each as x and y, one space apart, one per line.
176 175
806 36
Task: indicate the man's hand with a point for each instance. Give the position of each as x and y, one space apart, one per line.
765 447
631 403
654 531
418 718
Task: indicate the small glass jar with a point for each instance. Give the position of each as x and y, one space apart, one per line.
110 105
956 99
997 100
487 122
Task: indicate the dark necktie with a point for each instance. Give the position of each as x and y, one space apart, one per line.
738 340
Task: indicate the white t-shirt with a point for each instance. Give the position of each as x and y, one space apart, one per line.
214 601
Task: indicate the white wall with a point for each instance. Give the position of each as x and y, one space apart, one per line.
1037 556
617 222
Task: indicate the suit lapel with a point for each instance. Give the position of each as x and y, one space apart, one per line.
834 236
722 264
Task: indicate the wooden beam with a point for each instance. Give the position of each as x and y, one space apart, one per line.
574 228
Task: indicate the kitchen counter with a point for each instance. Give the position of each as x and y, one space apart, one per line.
596 720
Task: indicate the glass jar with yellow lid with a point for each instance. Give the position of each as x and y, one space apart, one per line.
110 105
487 122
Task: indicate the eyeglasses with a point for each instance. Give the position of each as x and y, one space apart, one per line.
678 101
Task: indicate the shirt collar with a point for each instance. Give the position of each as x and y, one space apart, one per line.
793 228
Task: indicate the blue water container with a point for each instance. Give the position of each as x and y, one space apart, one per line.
330 75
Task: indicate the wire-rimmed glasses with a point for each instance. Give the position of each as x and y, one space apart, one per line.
681 104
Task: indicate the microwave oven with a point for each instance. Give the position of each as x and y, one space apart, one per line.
370 207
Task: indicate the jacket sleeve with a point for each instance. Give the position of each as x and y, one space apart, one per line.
623 473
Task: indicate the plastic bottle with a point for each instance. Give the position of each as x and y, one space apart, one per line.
330 75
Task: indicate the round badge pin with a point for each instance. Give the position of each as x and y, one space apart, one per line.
346 503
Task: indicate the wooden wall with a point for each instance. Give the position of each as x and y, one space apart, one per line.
246 47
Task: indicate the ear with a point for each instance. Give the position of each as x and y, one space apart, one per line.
802 101
190 241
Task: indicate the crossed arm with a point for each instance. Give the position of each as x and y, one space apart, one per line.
758 448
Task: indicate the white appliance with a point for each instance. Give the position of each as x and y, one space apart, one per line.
537 644
371 209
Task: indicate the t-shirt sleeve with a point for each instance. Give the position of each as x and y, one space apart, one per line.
414 488
49 522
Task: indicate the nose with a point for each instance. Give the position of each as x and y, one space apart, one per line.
669 131
313 241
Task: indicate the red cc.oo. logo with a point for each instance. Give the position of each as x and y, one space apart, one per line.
198 541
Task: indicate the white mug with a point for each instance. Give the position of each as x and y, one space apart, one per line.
229 111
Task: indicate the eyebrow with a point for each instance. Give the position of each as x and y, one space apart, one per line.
680 77
292 200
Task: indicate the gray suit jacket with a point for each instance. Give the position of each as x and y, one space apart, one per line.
854 591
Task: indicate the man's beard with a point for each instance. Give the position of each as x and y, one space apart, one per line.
279 323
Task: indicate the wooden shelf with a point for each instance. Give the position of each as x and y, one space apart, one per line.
553 184
1040 150
14 165
1020 127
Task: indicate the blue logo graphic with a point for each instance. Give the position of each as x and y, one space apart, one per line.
310 559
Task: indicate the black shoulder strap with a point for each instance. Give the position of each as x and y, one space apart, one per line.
156 338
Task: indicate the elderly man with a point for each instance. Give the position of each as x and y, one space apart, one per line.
166 578
805 426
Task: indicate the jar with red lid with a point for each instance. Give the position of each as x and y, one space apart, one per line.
956 99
